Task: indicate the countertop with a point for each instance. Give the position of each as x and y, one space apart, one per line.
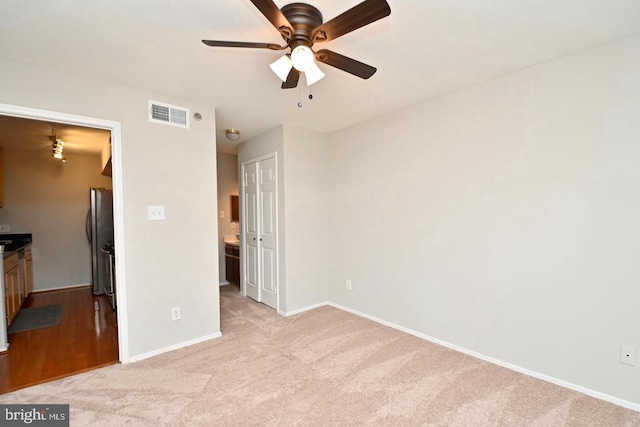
231 240
18 241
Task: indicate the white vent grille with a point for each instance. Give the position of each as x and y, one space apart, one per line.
168 114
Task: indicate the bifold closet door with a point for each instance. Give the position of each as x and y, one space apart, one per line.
250 182
260 212
267 219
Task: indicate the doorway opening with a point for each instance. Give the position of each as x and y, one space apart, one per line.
97 310
228 220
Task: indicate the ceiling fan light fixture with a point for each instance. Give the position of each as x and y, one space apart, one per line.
313 74
302 58
232 134
282 67
301 26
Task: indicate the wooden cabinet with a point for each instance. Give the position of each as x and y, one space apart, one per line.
27 272
18 281
1 180
105 157
12 293
232 263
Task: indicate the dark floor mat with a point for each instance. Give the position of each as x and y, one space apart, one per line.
36 318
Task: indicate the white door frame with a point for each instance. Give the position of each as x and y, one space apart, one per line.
118 208
243 290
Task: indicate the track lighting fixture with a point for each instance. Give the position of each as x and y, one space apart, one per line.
56 149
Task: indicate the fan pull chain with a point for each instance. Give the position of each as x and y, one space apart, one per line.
299 97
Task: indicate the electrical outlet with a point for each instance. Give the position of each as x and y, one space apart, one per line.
348 284
221 214
175 313
155 213
5 228
628 355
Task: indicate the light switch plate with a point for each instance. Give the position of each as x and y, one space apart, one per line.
155 213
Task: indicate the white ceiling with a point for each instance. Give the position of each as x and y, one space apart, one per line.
424 49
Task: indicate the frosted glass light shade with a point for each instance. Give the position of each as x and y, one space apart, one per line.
282 67
302 58
232 134
313 74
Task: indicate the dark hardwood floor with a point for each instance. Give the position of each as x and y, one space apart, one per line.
85 339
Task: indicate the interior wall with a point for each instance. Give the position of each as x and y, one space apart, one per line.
504 219
167 263
302 206
306 210
227 185
50 200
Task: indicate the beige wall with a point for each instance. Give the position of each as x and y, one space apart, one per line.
50 200
505 219
306 213
167 263
302 207
227 185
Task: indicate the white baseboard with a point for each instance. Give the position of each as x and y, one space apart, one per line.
303 309
173 347
60 288
538 375
224 283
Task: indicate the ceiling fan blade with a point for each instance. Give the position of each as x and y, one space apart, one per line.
347 64
219 43
292 79
358 16
274 15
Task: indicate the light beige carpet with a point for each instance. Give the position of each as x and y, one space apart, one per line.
324 367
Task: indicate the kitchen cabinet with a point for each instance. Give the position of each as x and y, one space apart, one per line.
12 294
1 180
27 272
105 159
232 263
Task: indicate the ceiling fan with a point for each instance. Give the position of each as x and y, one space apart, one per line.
301 26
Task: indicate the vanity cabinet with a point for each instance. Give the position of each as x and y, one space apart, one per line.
232 263
12 291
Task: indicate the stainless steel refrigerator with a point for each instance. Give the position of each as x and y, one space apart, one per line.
99 227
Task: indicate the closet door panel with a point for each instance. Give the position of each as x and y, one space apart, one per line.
250 224
268 232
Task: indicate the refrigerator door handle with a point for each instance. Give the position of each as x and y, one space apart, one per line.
87 225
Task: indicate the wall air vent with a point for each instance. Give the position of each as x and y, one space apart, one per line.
168 114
